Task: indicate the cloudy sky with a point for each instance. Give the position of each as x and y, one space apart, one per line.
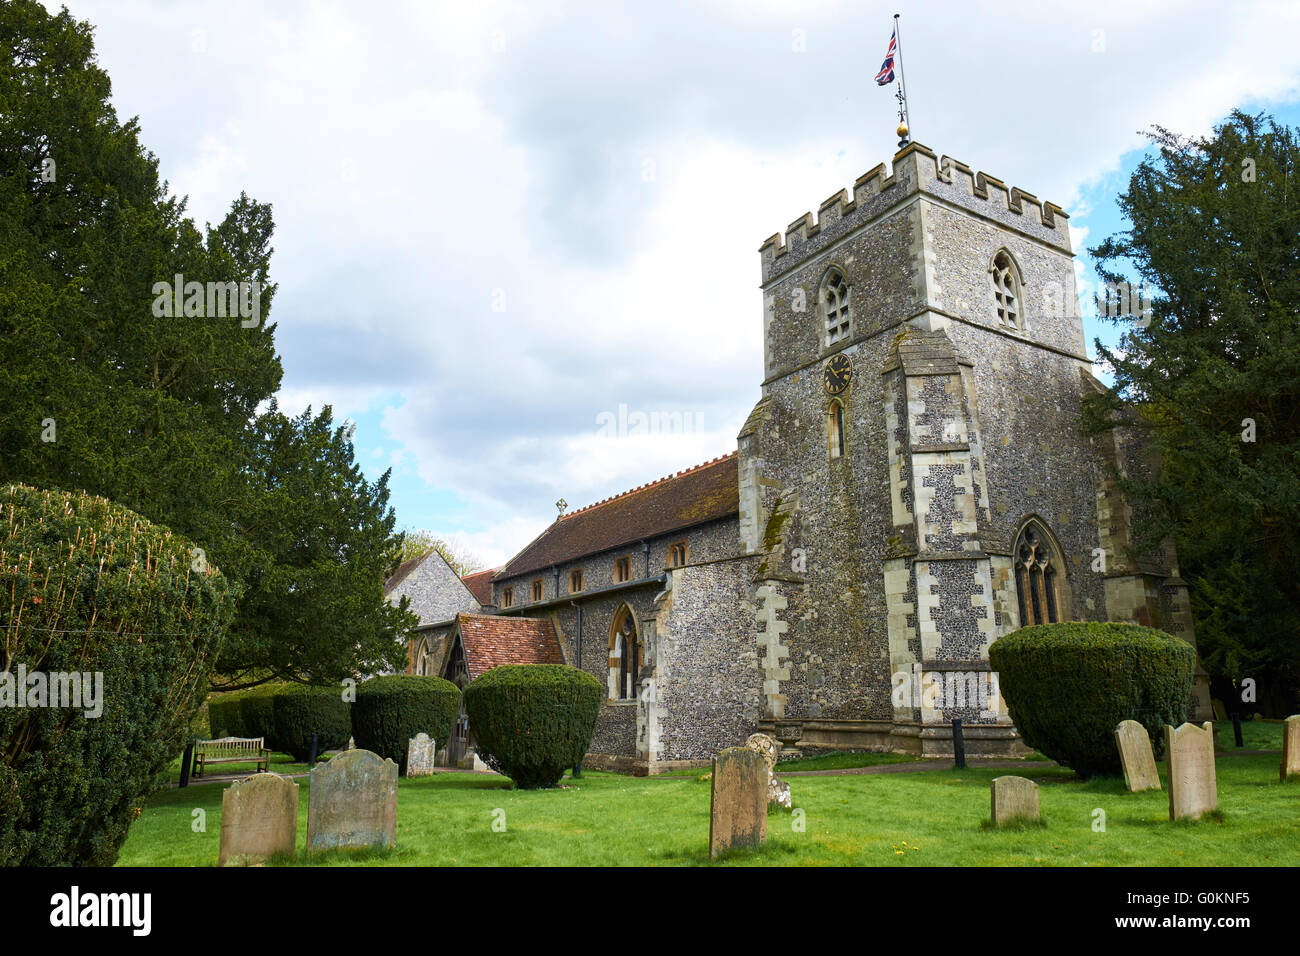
497 223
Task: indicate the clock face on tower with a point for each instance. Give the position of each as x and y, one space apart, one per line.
836 375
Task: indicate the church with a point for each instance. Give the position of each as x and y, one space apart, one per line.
912 485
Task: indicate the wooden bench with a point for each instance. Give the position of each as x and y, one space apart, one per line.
231 750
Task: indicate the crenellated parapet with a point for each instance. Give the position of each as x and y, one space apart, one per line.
982 186
872 194
916 170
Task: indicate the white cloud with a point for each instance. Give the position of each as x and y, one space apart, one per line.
423 157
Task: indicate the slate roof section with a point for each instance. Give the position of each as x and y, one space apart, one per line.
490 641
707 492
924 353
480 585
403 569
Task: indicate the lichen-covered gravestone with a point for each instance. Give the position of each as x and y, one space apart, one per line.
353 802
1014 801
1136 756
259 818
419 756
778 791
1192 787
1291 748
738 815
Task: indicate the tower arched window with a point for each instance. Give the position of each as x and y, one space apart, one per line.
835 429
1007 291
835 306
1039 569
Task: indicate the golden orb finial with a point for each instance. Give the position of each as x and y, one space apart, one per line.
902 129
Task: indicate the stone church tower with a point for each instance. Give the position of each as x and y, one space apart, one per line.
914 476
912 485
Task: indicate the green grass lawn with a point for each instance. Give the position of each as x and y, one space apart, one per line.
1255 735
926 818
833 761
844 761
280 763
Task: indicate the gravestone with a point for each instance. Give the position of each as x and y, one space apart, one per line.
1014 800
738 802
259 818
1192 787
778 791
766 745
1135 755
472 761
420 752
1291 748
353 802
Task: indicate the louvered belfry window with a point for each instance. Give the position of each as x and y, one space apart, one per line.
835 306
1006 291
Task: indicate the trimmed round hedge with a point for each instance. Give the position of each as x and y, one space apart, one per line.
97 590
301 711
389 711
532 722
1069 685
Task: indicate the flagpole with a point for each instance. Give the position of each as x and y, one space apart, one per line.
906 117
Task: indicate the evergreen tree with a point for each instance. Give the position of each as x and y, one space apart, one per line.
107 387
1214 227
318 538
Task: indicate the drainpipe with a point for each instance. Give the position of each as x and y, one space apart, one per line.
577 767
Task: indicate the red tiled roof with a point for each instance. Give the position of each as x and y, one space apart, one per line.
706 492
491 641
480 585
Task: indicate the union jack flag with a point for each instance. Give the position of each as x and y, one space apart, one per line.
886 74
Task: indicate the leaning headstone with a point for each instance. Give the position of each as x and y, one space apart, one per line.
1136 757
353 802
1192 787
420 752
778 791
472 761
1291 748
738 815
259 818
1014 800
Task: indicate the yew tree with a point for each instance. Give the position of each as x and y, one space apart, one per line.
1214 369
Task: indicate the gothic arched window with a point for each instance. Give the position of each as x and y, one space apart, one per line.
624 656
1038 576
835 306
1006 290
